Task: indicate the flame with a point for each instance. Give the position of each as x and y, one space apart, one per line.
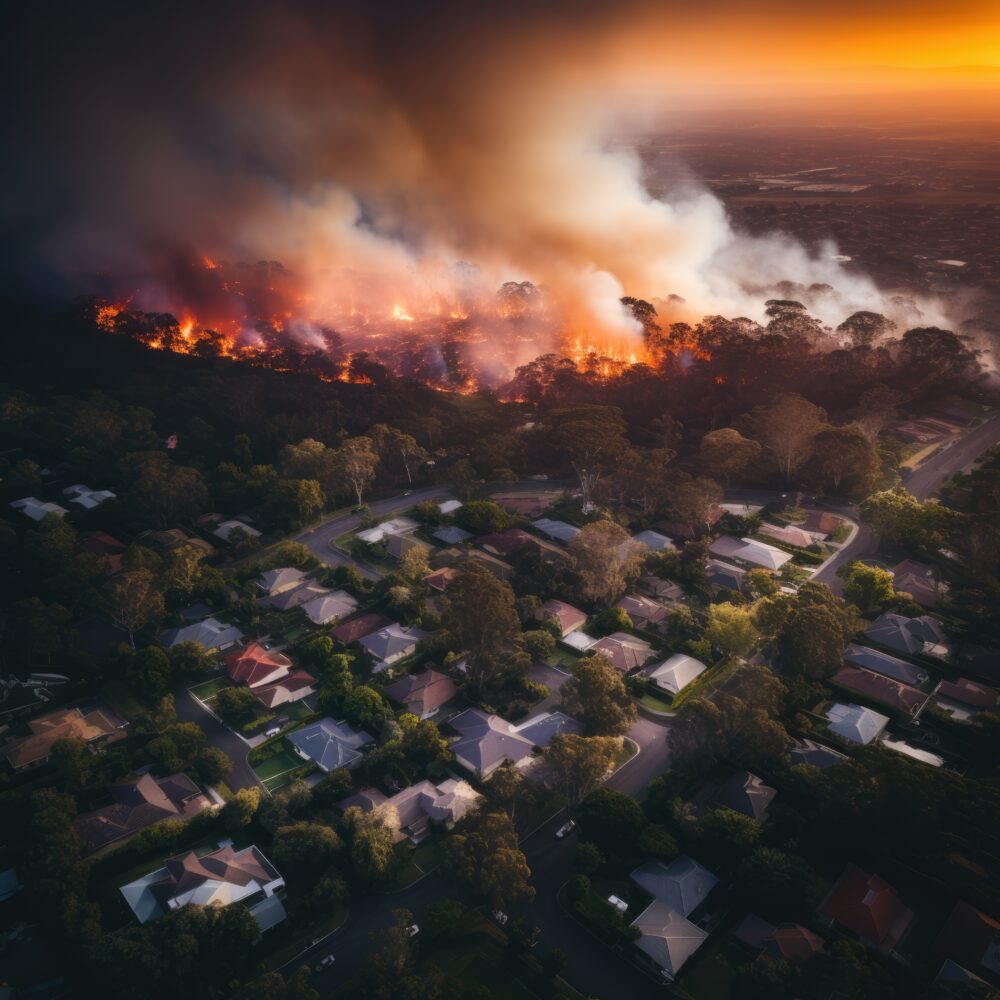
210 265
399 312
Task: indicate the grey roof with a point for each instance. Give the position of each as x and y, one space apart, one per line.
392 640
888 666
683 884
724 575
816 754
666 937
542 729
295 596
855 723
906 635
745 793
275 580
330 744
559 530
210 633
326 607
451 534
656 541
486 740
676 673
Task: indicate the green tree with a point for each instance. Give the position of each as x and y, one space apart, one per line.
355 462
149 674
372 845
611 820
236 705
364 707
305 847
597 697
482 517
483 852
786 430
726 453
578 764
240 810
731 630
901 519
446 921
591 438
274 986
869 587
606 561
539 643
391 958
133 600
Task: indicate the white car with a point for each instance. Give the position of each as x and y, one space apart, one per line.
500 917
323 964
619 904
412 931
566 829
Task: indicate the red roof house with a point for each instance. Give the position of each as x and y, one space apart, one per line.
867 906
256 665
970 938
792 943
292 687
423 694
358 628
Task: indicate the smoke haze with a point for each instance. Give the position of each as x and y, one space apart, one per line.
414 158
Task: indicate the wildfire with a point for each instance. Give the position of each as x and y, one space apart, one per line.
399 312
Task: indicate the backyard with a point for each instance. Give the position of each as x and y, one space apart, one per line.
276 771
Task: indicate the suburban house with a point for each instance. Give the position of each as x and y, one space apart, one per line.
676 673
789 534
911 636
643 612
168 539
225 876
748 550
226 530
559 530
486 741
95 727
683 885
964 699
868 907
440 578
787 942
821 524
416 808
805 751
654 540
564 615
625 651
210 633
329 606
256 665
505 543
398 545
500 569
723 576
449 506
745 793
667 937
295 597
971 939
138 804
579 640
109 548
294 686
920 581
452 534
854 723
423 694
276 581
329 744
661 590
395 526
391 644
896 695
357 628
86 497
37 509
888 666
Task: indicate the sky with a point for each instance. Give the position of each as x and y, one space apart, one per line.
370 147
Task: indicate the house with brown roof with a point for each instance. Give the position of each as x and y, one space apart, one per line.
107 547
293 686
643 612
357 628
970 938
896 695
564 615
423 694
788 942
868 907
920 581
98 726
220 878
963 699
255 665
626 652
412 812
441 578
138 804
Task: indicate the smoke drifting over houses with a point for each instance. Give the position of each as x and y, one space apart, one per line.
397 165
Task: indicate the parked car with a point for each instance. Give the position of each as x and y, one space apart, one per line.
412 931
323 964
566 829
500 917
618 903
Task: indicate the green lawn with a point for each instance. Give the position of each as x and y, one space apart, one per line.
656 704
121 700
272 771
708 681
208 689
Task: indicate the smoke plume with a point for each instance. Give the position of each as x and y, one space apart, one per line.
408 158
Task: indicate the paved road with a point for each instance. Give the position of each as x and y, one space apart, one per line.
954 458
190 710
589 967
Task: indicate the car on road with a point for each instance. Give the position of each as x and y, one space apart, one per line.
412 931
323 964
566 829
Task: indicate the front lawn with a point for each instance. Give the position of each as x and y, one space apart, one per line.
657 704
277 770
209 689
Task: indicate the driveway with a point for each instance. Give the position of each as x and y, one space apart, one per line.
189 709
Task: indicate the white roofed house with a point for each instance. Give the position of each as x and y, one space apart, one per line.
387 529
223 877
854 723
210 633
449 506
37 509
655 541
676 673
328 607
86 497
748 550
